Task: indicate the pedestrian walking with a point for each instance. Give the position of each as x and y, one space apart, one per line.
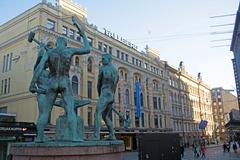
228 147
182 151
194 149
224 147
203 151
234 147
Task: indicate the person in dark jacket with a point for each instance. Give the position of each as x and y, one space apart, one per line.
182 151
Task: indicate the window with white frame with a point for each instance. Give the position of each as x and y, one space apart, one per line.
50 24
7 62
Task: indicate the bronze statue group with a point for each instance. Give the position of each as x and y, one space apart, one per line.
51 80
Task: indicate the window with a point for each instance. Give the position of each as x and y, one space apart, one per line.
155 102
7 62
5 86
118 54
75 85
64 30
90 118
10 62
142 119
77 61
4 64
78 37
146 83
100 46
145 65
121 74
127 96
9 85
126 57
137 62
140 63
122 55
71 33
160 121
90 41
148 101
110 50
105 48
50 24
133 60
136 121
119 95
126 76
156 121
3 109
141 97
89 66
159 103
90 89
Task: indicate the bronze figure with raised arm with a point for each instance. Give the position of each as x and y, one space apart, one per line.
59 61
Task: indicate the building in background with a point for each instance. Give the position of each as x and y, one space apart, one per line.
235 48
170 99
223 102
190 103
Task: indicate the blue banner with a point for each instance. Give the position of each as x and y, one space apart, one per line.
138 107
203 124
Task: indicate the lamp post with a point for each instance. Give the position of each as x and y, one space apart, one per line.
199 79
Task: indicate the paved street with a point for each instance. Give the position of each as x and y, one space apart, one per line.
214 153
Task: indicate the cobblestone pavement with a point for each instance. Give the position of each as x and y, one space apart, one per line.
213 153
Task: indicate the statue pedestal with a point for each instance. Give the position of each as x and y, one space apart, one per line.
94 150
63 131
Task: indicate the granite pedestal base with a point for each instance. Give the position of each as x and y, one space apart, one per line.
88 150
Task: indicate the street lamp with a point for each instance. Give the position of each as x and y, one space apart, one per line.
199 79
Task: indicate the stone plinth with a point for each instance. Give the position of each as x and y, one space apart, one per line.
88 150
63 131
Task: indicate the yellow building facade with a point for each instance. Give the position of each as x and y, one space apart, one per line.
159 111
190 103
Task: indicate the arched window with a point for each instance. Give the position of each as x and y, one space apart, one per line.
77 61
121 74
89 66
126 76
127 96
75 85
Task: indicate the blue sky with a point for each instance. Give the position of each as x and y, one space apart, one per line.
180 30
